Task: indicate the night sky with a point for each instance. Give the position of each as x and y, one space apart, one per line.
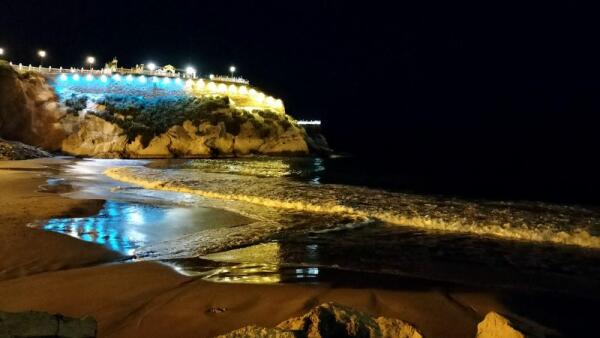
495 95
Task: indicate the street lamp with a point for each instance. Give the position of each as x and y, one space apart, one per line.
90 60
232 70
190 71
1 51
151 66
42 55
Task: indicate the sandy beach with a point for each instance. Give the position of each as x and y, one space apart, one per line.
42 270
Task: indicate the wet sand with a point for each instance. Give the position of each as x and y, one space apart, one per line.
46 271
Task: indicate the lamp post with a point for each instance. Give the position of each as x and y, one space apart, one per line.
190 71
232 70
42 55
90 60
151 66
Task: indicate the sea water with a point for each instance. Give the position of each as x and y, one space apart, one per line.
299 222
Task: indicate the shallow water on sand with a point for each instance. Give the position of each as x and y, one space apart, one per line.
266 220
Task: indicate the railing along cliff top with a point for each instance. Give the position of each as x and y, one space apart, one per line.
132 71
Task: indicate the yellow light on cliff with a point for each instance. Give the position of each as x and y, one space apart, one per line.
188 83
252 92
278 103
200 84
243 90
222 88
232 89
260 97
270 101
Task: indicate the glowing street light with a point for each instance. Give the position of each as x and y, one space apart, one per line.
90 60
1 51
190 71
151 66
42 55
232 70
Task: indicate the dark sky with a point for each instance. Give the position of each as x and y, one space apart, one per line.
508 89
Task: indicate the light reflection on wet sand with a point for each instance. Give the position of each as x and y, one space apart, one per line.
125 226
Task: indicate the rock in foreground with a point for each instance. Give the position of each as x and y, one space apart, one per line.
10 150
43 324
332 320
495 325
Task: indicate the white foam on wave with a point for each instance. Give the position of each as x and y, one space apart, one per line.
361 211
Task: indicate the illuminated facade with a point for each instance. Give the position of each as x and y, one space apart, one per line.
138 81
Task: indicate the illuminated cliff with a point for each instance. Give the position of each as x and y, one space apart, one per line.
127 115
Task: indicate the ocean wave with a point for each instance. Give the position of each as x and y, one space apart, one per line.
513 221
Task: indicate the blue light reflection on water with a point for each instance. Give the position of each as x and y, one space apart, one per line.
119 226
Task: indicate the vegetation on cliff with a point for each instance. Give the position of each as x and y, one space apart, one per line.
152 117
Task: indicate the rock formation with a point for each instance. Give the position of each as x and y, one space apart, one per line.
29 109
11 150
495 325
97 137
129 126
43 324
332 320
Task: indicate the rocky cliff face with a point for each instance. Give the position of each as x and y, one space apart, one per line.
29 109
125 126
100 138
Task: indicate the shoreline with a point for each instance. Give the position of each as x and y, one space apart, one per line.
47 271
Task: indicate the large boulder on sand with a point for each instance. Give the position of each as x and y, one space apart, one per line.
253 331
495 325
10 150
333 320
43 324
